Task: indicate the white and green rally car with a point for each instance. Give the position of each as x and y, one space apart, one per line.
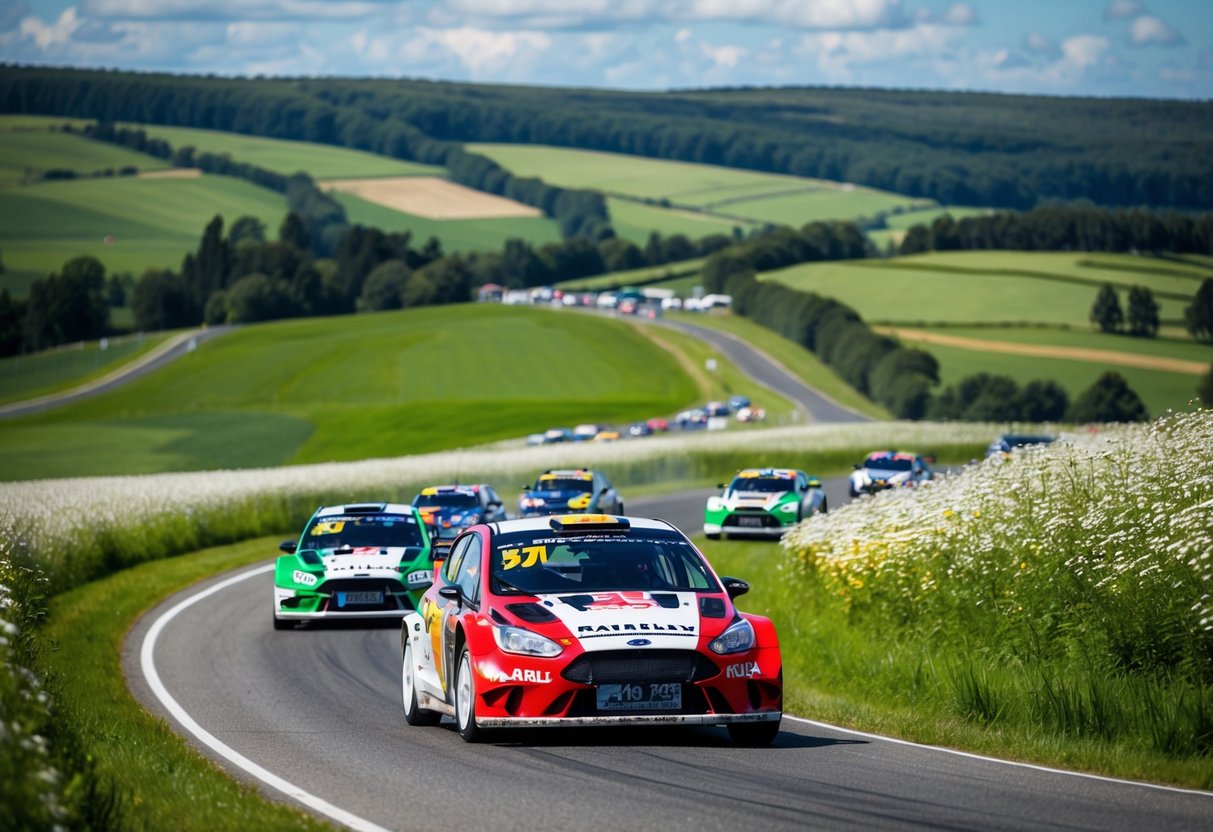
361 560
763 502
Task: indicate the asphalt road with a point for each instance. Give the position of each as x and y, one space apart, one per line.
171 350
763 369
320 708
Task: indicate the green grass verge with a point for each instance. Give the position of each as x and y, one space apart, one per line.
375 385
867 680
320 161
654 275
487 234
157 781
984 287
53 371
799 361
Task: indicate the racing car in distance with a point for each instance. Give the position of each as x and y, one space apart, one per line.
763 502
1004 445
560 491
585 620
360 560
447 510
889 469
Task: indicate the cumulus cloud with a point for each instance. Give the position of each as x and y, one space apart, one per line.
484 52
840 54
48 35
227 10
958 14
1148 30
1035 43
724 56
1122 10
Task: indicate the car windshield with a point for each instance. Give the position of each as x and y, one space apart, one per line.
660 561
767 485
446 500
562 484
890 463
362 531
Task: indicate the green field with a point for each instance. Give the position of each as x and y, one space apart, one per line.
732 196
635 221
655 275
50 371
487 234
343 388
27 151
990 287
152 222
320 161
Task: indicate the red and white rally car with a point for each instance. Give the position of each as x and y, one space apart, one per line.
585 619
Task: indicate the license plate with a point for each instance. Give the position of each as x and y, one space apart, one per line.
347 598
750 522
649 696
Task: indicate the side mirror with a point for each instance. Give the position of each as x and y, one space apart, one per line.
452 592
720 485
856 466
288 546
735 587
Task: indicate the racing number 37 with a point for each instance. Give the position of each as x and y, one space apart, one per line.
526 557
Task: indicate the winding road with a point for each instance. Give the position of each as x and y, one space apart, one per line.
313 715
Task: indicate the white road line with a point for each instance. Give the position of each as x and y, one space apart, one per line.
148 663
1015 763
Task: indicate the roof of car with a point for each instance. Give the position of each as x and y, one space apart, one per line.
593 523
365 508
431 490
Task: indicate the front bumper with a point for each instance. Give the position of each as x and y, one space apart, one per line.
747 524
639 719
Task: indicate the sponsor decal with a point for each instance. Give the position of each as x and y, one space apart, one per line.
743 670
519 674
305 578
419 578
525 557
676 629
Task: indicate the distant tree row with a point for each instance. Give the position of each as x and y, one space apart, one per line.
958 148
992 398
1142 317
1065 228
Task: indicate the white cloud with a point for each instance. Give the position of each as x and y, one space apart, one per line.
1122 10
1036 43
1084 51
958 14
683 35
1148 30
484 52
840 54
228 10
724 56
48 35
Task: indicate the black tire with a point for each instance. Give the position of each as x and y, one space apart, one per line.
825 506
711 536
465 699
414 714
851 490
283 623
753 734
621 511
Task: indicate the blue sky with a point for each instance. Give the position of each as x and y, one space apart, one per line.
1153 49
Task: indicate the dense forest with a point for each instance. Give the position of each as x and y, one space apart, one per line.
959 148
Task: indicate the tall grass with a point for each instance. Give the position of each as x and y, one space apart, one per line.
1068 590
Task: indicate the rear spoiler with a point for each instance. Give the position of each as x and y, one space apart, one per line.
439 549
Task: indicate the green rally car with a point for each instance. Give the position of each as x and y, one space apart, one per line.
763 502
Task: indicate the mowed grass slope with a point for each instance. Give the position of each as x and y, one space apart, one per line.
27 151
1050 288
722 196
357 387
38 374
320 161
151 223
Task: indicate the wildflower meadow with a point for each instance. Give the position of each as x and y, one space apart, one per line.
1068 587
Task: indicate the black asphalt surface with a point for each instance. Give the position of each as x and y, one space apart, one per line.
763 369
320 707
40 405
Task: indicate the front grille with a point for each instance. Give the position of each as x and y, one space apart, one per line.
383 585
625 666
765 517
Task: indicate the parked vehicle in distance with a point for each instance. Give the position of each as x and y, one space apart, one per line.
560 491
577 620
359 560
763 502
889 469
1008 442
447 510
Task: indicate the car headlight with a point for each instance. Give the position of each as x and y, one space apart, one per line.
789 508
738 638
715 504
524 642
